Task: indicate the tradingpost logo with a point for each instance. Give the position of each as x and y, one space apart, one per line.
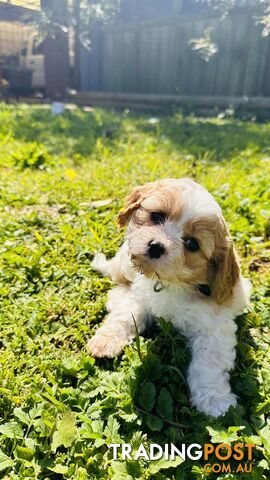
218 458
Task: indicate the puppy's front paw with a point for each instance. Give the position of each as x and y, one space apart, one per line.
216 405
99 262
102 345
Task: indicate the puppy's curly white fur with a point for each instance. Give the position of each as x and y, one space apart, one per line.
177 236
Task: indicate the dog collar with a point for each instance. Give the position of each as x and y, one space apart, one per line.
204 289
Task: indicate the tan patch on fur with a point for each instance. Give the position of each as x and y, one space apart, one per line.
216 260
203 229
133 202
197 263
227 270
225 262
162 196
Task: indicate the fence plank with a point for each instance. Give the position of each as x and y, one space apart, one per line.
155 57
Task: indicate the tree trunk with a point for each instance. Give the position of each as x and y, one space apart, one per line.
56 50
77 45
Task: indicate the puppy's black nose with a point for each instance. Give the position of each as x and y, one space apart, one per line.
155 249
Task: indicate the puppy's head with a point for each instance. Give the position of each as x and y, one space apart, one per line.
176 233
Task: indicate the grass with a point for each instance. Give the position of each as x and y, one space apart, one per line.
60 409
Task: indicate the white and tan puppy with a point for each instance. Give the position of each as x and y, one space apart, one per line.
178 262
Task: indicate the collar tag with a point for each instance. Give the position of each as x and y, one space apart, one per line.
158 286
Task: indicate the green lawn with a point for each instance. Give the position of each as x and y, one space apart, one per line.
59 408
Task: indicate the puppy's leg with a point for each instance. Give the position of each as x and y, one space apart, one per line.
118 268
118 329
213 355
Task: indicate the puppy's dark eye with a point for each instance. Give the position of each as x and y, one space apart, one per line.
191 244
158 217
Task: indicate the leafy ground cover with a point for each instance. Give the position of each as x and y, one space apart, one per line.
62 181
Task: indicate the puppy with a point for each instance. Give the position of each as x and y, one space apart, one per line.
178 262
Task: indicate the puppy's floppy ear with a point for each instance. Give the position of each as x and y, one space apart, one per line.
133 202
226 267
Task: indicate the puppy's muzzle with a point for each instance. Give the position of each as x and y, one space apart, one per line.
155 249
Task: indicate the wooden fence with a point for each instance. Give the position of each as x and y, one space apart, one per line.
156 57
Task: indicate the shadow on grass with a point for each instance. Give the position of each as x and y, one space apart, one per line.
74 132
77 131
209 138
161 400
161 394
